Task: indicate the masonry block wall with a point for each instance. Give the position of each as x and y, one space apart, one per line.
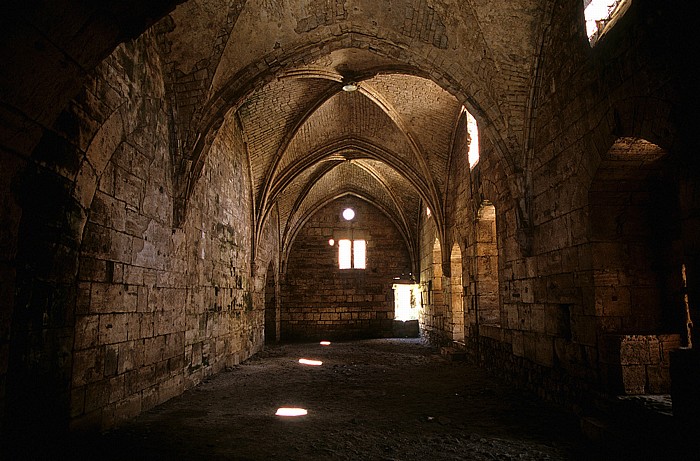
321 301
159 308
434 316
127 352
226 296
559 314
110 302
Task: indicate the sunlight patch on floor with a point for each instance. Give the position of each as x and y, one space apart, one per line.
291 412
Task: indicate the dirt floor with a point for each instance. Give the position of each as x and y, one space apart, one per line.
389 399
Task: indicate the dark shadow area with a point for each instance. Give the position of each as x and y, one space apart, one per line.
374 399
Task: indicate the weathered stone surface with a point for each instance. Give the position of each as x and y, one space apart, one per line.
319 300
151 193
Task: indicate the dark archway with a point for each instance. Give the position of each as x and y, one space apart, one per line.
637 260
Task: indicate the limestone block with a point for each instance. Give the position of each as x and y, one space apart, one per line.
583 329
108 211
88 366
512 317
172 387
94 270
667 344
113 298
113 328
126 357
128 188
611 324
527 291
124 410
544 350
111 360
525 316
96 395
135 223
150 397
530 346
117 388
154 349
139 379
86 331
634 350
77 401
537 318
634 379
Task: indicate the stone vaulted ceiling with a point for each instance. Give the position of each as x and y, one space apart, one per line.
280 66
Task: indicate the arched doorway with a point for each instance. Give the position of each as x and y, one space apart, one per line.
487 301
456 293
637 265
635 236
437 297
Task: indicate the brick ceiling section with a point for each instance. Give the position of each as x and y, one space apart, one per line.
347 116
290 122
275 65
429 113
270 114
401 188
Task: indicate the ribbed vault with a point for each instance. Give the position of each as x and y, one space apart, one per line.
280 67
322 142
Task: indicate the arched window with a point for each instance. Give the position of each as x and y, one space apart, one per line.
473 131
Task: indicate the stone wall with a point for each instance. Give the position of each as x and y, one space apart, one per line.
604 250
556 301
128 343
161 308
321 301
434 316
108 309
638 364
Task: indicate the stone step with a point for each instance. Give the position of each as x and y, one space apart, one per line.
453 353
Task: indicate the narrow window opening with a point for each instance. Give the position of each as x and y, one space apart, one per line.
352 254
473 131
344 254
600 15
359 251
